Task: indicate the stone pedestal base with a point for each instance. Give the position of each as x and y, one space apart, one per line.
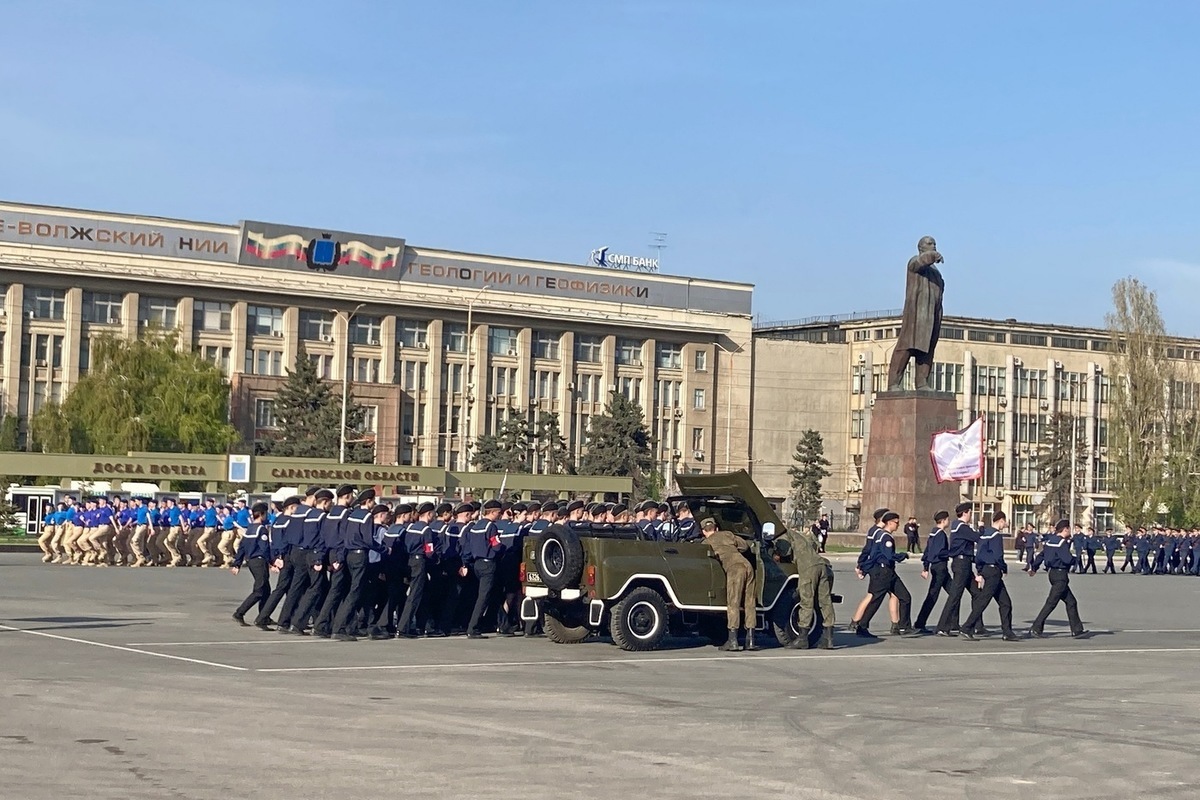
898 473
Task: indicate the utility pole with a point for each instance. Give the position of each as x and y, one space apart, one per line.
346 383
470 395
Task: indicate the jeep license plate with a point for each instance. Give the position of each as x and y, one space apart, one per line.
532 577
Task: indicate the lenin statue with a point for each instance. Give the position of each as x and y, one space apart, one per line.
922 322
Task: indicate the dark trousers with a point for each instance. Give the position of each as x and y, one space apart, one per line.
508 580
485 572
416 591
962 580
282 583
939 581
1030 552
1144 562
885 581
262 586
1108 563
318 586
1090 566
993 587
443 592
914 544
356 572
390 600
301 578
1128 562
1060 590
339 584
1077 564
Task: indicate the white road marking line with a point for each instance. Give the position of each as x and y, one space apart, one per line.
289 640
122 648
1159 630
736 659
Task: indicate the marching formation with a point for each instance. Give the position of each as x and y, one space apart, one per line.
1154 551
959 559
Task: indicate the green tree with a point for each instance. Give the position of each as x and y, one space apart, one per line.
551 445
507 450
807 473
144 394
1138 420
10 429
1062 461
309 416
618 443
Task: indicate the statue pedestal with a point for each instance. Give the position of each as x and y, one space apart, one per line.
899 474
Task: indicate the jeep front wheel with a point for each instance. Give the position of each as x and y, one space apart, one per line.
639 620
566 625
559 557
784 622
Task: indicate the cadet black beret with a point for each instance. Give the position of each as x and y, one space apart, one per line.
364 495
663 508
404 508
463 508
1062 525
517 508
879 512
294 500
619 509
475 506
259 508
380 509
310 491
550 506
345 489
323 494
492 505
443 508
425 508
574 505
889 516
505 506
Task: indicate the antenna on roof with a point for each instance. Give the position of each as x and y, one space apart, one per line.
659 243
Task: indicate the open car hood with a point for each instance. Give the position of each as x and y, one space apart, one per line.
735 484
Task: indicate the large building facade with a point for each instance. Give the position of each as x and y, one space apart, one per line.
438 346
824 373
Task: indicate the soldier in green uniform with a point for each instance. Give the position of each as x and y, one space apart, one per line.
813 588
740 588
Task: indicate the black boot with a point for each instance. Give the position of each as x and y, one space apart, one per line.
750 645
826 638
731 645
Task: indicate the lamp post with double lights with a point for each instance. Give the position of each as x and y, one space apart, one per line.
346 383
470 394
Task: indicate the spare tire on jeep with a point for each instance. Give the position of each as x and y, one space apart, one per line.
559 557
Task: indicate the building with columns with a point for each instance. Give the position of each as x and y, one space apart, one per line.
824 373
439 346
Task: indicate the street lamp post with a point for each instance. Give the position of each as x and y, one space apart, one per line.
470 395
346 383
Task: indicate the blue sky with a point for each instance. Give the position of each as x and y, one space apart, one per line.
1051 148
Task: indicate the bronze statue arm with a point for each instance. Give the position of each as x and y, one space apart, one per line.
922 260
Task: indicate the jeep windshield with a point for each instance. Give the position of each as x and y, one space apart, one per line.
730 513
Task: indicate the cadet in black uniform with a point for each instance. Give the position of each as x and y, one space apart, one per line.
508 574
884 580
1111 543
419 551
1056 554
285 532
935 568
989 557
963 539
481 550
393 574
313 546
254 550
359 542
333 532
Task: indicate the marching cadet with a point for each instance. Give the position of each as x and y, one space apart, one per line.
1056 554
989 557
77 544
313 546
128 541
935 569
812 586
103 533
175 537
864 557
1128 541
1078 543
1090 545
443 590
62 527
333 534
508 571
418 548
961 550
393 569
740 589
481 550
1144 544
254 550
285 530
303 542
884 581
358 544
210 532
1031 543
49 529
1111 543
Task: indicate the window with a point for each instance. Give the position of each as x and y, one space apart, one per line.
365 329
886 333
631 388
989 381
858 424
863 335
366 370
1031 383
701 363
1024 474
264 362
982 335
669 356
370 419
1072 386
1102 433
948 378
545 344
1101 345
452 378
587 348
217 356
698 399
1023 514
544 385
102 308
587 388
323 363
264 321
629 352
858 379
413 333
1103 518
953 333
264 414
668 394
1104 389
502 382
161 312
412 375
85 353
1069 342
502 341
1029 428
1032 339
45 303
697 438
454 337
211 316
316 326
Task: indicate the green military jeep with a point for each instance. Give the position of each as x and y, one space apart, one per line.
584 578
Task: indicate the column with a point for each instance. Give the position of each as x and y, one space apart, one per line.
291 336
71 335
14 332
